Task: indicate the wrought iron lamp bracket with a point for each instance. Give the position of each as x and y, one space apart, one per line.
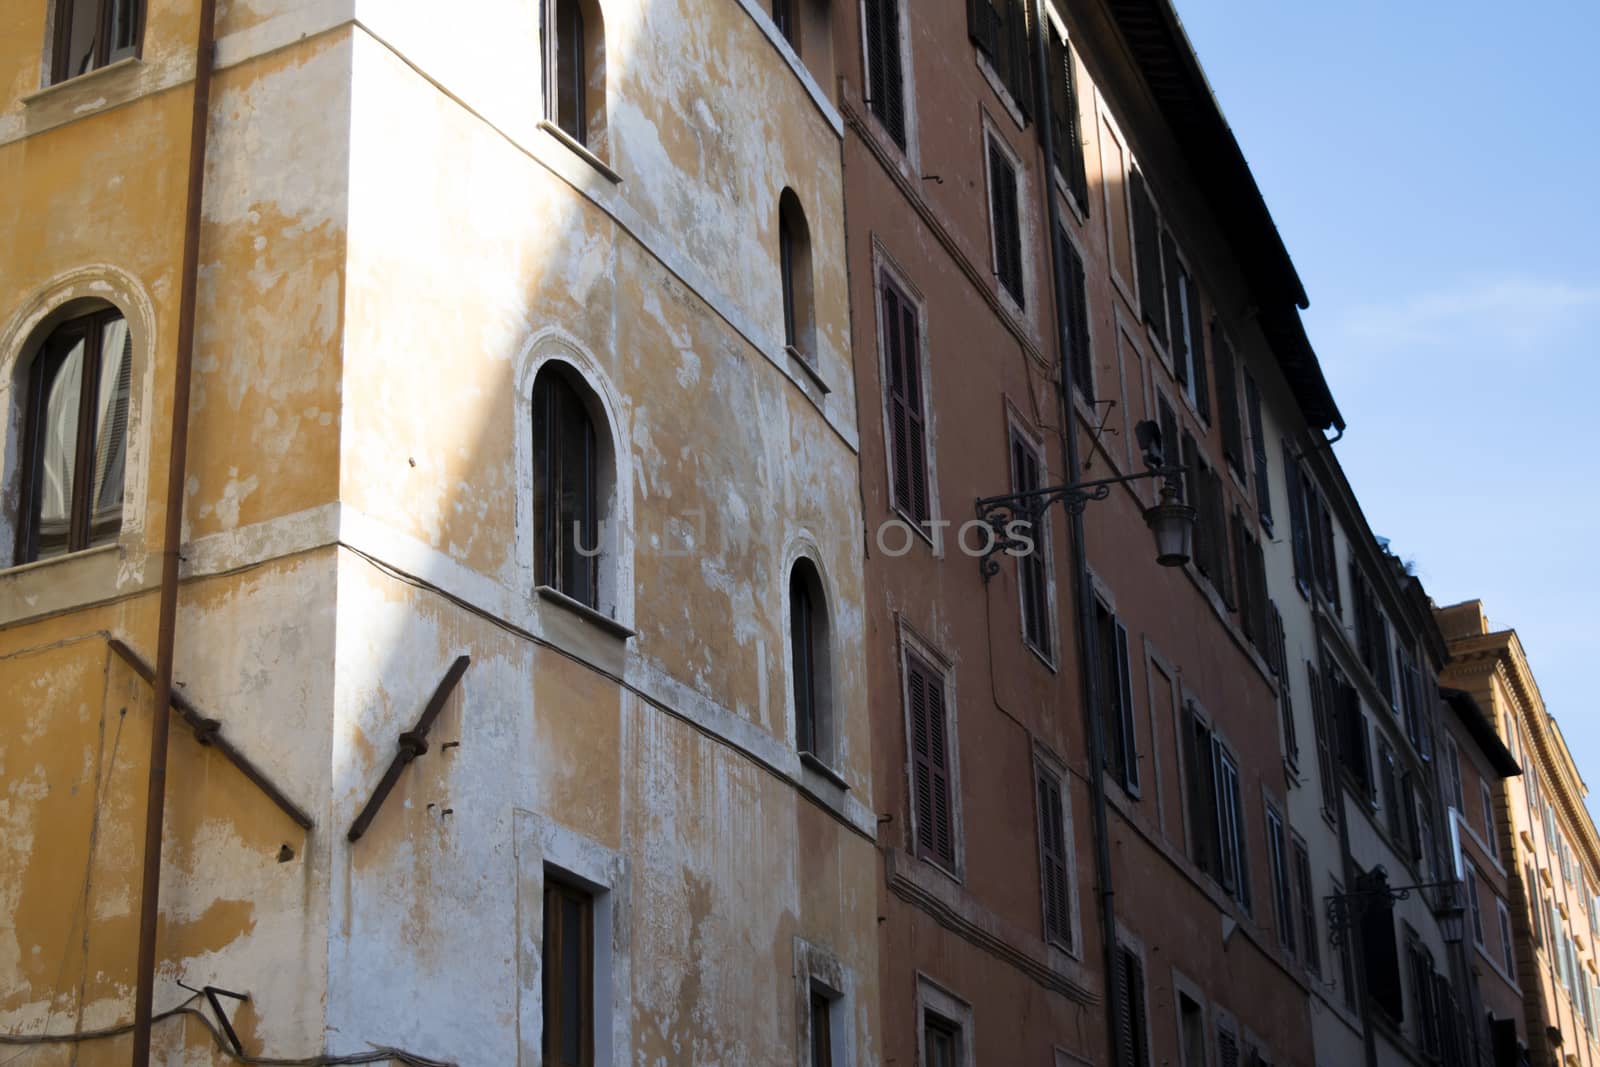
1012 518
1346 909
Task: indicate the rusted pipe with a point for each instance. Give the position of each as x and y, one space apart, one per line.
208 731
413 743
172 536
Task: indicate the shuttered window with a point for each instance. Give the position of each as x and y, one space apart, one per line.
1147 253
1282 899
941 1041
1278 659
1053 869
999 28
1227 1048
1200 377
931 790
1132 1038
1299 520
1033 569
1068 137
783 18
885 73
1306 907
1116 699
566 464
1321 720
1077 316
75 437
1215 802
1228 400
1258 449
1005 221
908 457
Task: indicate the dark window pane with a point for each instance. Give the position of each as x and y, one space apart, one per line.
800 637
124 28
82 37
572 990
786 267
821 1032
565 490
570 110
111 430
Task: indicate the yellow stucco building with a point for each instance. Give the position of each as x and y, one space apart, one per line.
521 335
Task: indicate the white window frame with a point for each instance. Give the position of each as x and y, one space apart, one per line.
542 843
818 970
993 138
931 996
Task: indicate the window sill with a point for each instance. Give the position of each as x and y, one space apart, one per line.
84 80
798 357
814 763
580 151
66 557
551 595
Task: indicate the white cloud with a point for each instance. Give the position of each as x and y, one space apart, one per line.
1519 314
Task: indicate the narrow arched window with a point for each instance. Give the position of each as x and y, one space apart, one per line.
809 663
575 60
566 503
90 34
75 437
794 266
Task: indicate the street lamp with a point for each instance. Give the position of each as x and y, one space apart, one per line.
1346 909
1171 521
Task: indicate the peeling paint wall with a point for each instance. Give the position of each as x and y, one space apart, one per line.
391 247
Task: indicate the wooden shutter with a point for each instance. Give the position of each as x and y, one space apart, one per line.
1299 523
886 79
1246 593
1131 1047
1125 716
1064 119
1327 767
1005 221
1258 448
1019 69
930 758
1227 400
1176 335
1077 315
1053 861
1147 250
1307 905
907 425
1197 349
1227 1048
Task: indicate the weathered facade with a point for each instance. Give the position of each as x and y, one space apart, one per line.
1533 841
450 297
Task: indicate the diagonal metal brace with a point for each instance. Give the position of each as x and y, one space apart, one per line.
413 743
208 732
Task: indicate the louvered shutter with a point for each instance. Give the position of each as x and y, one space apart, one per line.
1175 335
1053 862
1327 768
1258 580
1246 594
1005 221
1222 576
1196 492
908 446
885 84
1020 82
1131 1050
1147 249
1227 1049
921 759
939 757
1125 717
1077 171
1299 527
1197 350
1228 400
1078 320
1258 449
1171 450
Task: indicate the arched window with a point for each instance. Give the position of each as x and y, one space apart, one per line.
810 663
567 461
794 265
75 437
90 34
575 61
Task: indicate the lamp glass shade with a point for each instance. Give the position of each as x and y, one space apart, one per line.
1452 923
1172 524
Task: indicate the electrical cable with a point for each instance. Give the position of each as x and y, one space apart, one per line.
379 1053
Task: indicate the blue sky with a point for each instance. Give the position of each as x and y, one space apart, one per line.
1433 170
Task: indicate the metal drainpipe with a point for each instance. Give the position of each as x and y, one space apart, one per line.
172 536
1081 592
